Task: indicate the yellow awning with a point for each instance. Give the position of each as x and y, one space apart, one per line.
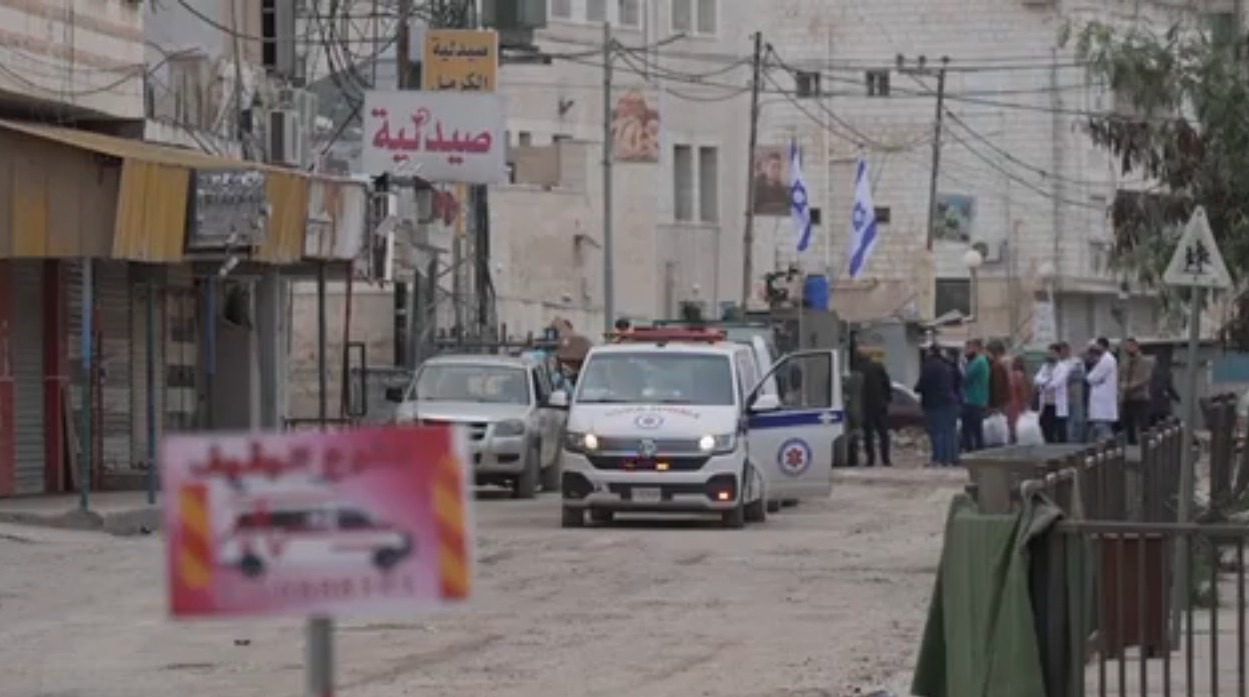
150 221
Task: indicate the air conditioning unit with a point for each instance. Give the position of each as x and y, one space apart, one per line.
287 138
990 250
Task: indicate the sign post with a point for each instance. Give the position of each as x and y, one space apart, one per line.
1197 264
317 525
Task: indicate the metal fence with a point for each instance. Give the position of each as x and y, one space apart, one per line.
1127 600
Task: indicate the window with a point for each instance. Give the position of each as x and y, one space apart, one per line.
707 16
561 9
683 182
708 184
1222 29
628 13
695 16
877 83
657 377
882 214
682 16
808 84
525 138
596 11
471 382
560 137
953 294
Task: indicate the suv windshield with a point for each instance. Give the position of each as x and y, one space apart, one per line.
655 377
470 383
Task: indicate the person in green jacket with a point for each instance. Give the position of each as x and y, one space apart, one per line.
975 397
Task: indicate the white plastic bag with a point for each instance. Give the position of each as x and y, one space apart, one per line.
1028 429
996 431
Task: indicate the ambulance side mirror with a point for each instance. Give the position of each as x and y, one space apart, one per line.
765 402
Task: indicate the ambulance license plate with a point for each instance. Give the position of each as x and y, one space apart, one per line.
646 495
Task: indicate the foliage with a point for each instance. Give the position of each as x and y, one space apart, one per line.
1187 130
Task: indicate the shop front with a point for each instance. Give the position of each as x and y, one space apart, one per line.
109 293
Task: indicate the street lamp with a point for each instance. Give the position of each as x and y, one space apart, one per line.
973 260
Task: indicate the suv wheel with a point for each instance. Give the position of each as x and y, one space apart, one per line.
572 518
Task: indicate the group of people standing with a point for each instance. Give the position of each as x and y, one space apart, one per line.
1076 398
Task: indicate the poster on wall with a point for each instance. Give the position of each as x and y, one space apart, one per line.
955 215
442 137
635 128
771 181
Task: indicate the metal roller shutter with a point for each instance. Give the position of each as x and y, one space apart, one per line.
113 299
28 376
138 350
180 350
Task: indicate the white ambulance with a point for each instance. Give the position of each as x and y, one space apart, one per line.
680 421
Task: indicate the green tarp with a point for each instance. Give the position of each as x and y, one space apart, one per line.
981 638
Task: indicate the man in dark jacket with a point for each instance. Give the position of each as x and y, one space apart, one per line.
938 390
875 394
1162 392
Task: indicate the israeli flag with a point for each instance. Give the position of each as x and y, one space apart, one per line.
862 221
799 211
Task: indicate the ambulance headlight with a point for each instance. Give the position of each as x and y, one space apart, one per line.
580 442
716 444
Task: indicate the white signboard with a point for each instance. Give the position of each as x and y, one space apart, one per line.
1197 261
1044 327
451 137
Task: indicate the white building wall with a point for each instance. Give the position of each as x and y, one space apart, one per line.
1039 185
659 261
84 54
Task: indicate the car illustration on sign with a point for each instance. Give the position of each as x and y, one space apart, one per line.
295 533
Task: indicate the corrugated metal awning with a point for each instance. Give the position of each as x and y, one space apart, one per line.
150 223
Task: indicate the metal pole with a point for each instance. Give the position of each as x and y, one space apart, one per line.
936 155
88 350
320 657
609 275
151 386
269 336
1181 571
210 352
323 359
748 236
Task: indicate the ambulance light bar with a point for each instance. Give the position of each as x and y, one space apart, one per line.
662 335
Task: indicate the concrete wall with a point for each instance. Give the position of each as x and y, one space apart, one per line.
1013 142
82 54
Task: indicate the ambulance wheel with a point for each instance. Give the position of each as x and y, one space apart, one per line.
572 518
774 506
251 566
756 511
526 486
385 559
601 517
734 519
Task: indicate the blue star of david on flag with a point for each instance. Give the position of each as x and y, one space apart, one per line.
799 211
862 221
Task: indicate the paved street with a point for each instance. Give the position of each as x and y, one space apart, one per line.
823 599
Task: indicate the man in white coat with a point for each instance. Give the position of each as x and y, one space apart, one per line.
1103 382
1051 385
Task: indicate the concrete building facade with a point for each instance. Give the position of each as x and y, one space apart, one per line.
1022 181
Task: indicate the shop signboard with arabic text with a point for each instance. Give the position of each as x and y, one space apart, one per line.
443 137
464 60
352 522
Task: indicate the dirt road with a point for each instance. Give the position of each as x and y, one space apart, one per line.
824 599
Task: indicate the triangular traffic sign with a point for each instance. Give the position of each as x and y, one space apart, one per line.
1197 261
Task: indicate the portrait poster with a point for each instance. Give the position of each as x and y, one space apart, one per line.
635 128
771 180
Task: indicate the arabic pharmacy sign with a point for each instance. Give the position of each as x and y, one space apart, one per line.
362 521
464 60
441 137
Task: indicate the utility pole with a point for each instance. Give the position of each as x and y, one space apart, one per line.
936 152
748 236
609 273
403 46
405 294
